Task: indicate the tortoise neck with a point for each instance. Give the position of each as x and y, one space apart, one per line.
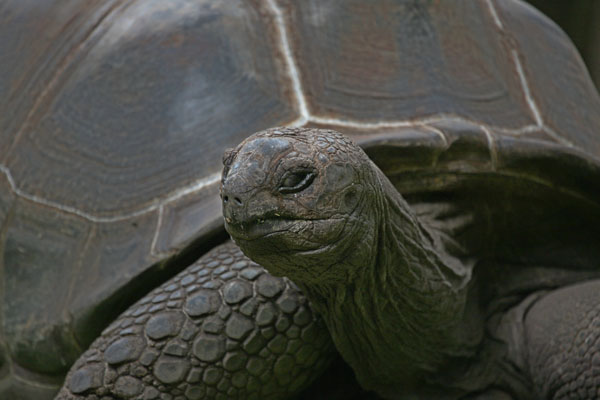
399 316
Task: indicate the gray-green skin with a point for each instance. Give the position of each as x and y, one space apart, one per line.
222 329
114 118
414 308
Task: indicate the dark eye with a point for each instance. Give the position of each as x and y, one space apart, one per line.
296 181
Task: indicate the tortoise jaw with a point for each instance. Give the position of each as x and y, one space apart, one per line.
258 228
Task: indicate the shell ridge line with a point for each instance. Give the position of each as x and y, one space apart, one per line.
491 146
9 178
215 178
292 67
195 187
526 90
63 64
440 134
531 103
437 132
298 122
443 117
551 132
515 132
159 221
494 14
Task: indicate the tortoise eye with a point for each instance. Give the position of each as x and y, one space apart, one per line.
296 181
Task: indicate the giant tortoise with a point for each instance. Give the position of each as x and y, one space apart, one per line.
485 284
114 118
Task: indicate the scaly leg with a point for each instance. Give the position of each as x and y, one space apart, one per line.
562 337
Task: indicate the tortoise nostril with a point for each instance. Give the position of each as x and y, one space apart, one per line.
229 198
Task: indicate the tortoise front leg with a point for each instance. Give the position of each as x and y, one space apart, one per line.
562 339
221 329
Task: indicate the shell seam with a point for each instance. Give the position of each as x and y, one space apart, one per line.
197 186
159 221
290 61
441 135
438 132
491 146
215 178
525 87
305 117
495 17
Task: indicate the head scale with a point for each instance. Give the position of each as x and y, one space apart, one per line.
294 200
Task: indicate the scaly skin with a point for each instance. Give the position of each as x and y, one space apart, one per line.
221 329
391 296
403 310
563 342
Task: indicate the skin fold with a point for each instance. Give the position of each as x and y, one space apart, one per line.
406 308
478 286
343 237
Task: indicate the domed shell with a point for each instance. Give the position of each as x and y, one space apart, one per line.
114 116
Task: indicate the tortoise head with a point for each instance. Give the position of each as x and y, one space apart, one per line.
294 200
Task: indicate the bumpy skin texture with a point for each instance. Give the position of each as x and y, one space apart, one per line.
563 342
221 329
310 205
406 307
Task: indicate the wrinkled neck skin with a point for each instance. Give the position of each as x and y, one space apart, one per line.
397 317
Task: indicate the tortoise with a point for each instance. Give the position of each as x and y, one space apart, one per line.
98 96
430 297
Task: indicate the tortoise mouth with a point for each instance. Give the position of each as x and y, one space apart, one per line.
259 228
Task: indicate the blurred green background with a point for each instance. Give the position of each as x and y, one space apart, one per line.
581 20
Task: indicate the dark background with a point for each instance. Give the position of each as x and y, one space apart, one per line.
581 20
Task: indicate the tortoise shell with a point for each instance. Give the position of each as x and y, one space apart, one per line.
115 114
